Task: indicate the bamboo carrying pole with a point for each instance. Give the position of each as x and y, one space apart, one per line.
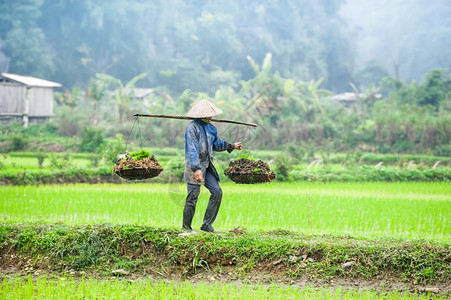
190 118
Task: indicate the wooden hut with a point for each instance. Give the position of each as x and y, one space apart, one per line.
26 97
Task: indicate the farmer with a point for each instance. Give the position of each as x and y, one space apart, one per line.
201 139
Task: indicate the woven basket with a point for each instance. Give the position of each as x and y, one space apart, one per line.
139 173
250 178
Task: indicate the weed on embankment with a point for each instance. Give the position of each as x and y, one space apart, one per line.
144 250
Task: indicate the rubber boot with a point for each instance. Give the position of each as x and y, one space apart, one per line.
188 214
212 184
190 206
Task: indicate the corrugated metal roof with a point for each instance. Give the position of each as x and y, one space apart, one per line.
30 81
346 97
353 97
139 92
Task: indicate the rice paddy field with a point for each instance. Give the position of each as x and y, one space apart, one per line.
400 210
63 288
405 211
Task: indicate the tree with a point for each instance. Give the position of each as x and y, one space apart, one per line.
69 98
24 42
89 37
97 93
365 100
122 93
434 89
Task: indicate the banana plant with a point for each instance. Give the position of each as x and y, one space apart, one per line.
122 93
96 92
364 99
305 96
69 98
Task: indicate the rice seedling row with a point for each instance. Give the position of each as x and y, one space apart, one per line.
89 288
401 210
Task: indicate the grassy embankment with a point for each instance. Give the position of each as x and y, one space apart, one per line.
258 257
391 232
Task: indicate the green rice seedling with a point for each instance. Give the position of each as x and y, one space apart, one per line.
139 155
89 288
245 155
20 163
398 210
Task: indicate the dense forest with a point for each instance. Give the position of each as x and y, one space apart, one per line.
199 45
202 45
406 38
276 63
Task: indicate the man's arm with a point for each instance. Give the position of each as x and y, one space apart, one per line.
192 148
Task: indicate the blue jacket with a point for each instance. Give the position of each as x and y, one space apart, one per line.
201 139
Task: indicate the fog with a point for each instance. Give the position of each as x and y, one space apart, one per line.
203 45
407 37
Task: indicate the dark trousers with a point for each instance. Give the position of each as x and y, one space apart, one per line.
212 184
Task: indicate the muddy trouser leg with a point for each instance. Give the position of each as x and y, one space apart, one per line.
212 184
190 205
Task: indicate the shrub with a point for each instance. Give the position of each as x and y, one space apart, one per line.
66 175
404 147
20 142
51 128
176 169
95 160
40 156
283 166
113 148
368 174
92 140
60 161
69 123
444 150
296 151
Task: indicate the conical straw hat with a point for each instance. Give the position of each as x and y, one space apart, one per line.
203 109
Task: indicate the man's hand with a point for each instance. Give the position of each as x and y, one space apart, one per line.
238 146
198 175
